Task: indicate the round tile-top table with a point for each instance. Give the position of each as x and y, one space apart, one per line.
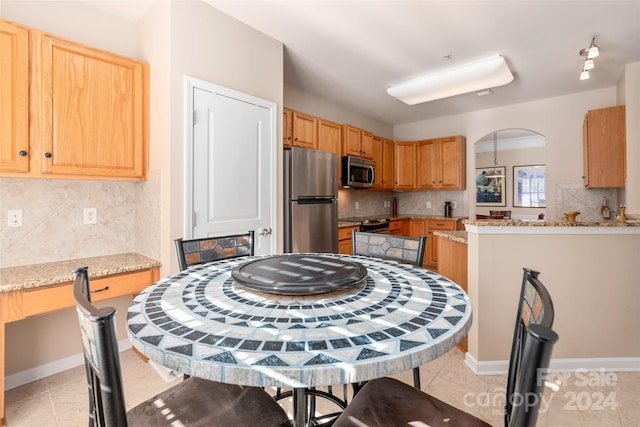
201 322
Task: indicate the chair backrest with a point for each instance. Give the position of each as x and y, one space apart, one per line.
100 347
407 250
207 249
503 214
533 341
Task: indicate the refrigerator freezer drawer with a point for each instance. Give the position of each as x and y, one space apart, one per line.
314 227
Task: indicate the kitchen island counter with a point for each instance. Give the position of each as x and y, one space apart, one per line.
540 223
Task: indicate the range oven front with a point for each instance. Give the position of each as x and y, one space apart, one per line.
375 226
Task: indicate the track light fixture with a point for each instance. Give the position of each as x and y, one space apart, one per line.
590 52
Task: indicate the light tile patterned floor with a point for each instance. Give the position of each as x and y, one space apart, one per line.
583 399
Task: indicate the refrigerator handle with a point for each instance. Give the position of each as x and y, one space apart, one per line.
315 201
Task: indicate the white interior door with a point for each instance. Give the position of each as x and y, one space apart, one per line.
231 165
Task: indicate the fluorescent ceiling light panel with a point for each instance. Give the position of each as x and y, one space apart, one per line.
482 74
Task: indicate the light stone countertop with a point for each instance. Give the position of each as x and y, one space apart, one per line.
456 236
342 223
50 273
539 223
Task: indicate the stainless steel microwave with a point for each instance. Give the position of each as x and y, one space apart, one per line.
358 171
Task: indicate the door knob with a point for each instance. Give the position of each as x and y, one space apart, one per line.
265 232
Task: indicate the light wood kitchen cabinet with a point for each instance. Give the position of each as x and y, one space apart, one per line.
304 130
396 227
405 165
351 141
366 144
330 139
345 239
453 265
388 164
431 254
383 155
14 97
604 147
356 142
378 159
88 112
441 164
417 228
287 124
329 136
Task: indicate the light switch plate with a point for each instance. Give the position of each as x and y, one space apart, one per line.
90 216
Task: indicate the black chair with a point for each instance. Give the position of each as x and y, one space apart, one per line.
193 402
388 402
207 249
404 249
504 214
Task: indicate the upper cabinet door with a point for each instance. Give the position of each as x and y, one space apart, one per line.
92 110
305 134
14 98
453 163
287 123
604 132
428 164
366 143
351 141
405 170
388 164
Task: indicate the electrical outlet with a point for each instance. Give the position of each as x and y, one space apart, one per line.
90 216
453 205
428 205
14 218
357 205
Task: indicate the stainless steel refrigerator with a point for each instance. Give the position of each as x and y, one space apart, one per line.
311 201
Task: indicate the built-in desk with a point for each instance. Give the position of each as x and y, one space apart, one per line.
36 289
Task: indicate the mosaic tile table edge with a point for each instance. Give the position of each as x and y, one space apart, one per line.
199 322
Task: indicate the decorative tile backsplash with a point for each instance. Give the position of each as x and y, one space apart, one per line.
53 226
575 197
371 202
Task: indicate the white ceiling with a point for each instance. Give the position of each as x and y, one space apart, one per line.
349 52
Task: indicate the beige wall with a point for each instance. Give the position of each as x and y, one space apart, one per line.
177 39
594 289
209 45
300 100
559 120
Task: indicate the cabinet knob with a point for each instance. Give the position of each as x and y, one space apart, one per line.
47 155
23 153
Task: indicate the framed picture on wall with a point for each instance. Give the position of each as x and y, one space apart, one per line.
529 186
490 186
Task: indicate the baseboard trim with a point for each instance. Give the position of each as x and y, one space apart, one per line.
42 371
609 364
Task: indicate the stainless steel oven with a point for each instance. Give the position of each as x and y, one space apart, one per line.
371 225
380 225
